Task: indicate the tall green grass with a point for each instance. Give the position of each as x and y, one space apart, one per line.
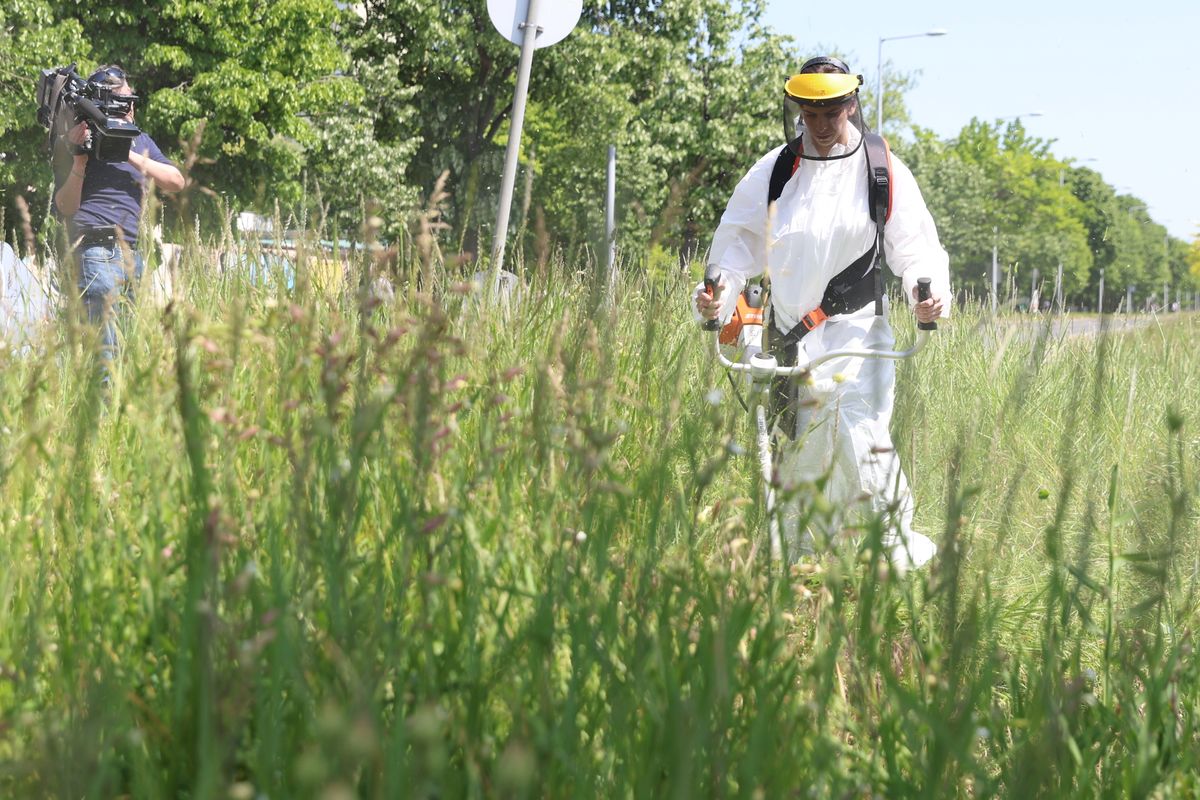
326 545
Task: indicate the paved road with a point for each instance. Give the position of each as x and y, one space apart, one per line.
1089 326
1070 327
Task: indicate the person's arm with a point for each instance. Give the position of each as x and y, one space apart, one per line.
739 245
166 176
912 247
70 194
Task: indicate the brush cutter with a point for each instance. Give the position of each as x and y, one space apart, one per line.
762 369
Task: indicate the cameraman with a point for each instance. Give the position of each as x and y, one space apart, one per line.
103 204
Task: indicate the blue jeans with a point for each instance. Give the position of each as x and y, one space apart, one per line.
107 273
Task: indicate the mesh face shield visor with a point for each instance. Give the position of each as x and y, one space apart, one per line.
822 90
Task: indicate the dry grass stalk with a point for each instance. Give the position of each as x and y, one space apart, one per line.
26 225
541 242
430 223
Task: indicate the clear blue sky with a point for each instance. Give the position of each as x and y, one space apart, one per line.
1118 82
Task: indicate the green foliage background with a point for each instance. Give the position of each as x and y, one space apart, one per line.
321 109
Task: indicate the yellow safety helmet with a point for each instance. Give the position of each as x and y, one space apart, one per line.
822 88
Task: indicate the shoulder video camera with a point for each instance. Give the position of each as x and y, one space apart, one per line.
65 99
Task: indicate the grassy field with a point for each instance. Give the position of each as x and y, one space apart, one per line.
331 546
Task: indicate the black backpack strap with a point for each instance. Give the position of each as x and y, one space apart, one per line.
785 167
849 290
879 176
879 193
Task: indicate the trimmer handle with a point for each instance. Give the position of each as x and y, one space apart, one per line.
924 294
712 282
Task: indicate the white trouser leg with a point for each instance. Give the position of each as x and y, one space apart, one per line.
843 439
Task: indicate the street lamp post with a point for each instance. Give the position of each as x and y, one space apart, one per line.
879 70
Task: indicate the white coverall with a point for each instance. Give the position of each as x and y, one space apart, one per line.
821 224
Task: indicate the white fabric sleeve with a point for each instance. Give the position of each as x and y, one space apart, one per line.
911 241
739 246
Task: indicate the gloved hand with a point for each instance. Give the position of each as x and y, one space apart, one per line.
707 306
927 310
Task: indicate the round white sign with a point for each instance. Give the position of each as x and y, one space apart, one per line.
556 18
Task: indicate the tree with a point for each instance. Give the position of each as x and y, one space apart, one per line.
1097 213
454 72
252 76
688 90
995 186
1179 264
310 100
958 193
690 103
1192 259
31 39
349 163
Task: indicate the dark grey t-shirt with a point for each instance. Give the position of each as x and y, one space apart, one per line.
112 193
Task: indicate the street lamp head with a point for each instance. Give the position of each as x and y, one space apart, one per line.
1022 115
931 32
879 69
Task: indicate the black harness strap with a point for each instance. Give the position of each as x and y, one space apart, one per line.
879 192
850 290
786 164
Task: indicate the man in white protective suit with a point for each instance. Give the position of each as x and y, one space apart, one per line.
817 242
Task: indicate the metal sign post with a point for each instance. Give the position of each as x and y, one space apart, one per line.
529 34
530 24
